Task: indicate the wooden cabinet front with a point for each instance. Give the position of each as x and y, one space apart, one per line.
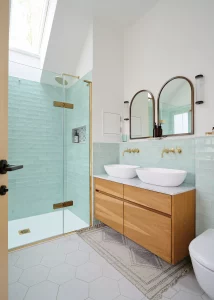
109 210
109 187
148 229
150 199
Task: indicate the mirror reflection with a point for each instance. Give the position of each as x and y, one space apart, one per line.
142 110
175 107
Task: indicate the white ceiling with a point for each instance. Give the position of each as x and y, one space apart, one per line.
72 21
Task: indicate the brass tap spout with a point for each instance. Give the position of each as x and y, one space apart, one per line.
165 150
171 150
127 150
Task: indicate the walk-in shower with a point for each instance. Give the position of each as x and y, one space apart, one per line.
50 196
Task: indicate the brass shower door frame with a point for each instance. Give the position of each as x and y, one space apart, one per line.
89 83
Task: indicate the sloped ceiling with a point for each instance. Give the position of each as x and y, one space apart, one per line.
71 24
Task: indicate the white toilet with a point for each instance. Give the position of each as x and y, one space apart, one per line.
202 255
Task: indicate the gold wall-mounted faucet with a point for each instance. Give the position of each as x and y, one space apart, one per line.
171 150
129 150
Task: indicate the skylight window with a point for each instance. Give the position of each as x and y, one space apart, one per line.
27 24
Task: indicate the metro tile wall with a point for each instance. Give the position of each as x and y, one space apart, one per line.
197 159
204 183
35 140
104 154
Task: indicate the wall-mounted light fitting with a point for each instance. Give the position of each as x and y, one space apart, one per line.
199 79
125 122
126 111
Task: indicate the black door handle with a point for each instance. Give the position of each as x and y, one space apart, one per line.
5 167
3 190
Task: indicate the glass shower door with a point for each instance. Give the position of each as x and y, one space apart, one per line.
36 142
77 154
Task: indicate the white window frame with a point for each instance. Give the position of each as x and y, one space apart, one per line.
41 33
182 115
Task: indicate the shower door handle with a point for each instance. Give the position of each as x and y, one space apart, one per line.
5 167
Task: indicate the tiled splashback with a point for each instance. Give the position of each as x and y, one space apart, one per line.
104 154
204 169
197 159
150 155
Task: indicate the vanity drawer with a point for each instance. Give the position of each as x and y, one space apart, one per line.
109 210
153 200
148 229
109 187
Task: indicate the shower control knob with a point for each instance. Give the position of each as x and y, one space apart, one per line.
3 190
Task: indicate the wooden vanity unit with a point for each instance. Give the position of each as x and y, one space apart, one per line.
162 223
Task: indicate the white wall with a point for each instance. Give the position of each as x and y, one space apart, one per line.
67 38
174 38
85 63
108 84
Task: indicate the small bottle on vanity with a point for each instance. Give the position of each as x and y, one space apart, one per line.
76 137
160 130
213 130
155 129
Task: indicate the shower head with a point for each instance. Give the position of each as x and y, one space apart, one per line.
61 80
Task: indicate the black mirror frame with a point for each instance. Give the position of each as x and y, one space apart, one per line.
192 105
130 127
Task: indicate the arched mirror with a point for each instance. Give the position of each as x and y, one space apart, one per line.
142 115
176 107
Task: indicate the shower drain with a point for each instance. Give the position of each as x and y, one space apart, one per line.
24 231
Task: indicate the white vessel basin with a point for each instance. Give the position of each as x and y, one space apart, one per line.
162 177
121 171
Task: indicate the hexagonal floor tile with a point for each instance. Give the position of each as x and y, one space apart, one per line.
17 291
169 293
68 246
104 288
122 298
29 260
110 272
75 288
45 248
14 274
59 240
88 272
128 290
34 275
85 247
39 249
189 284
77 258
97 259
186 296
45 290
53 260
75 237
62 273
12 259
